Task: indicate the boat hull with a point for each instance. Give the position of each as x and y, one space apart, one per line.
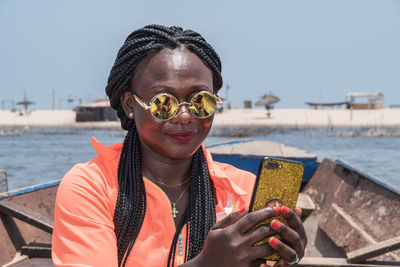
15 233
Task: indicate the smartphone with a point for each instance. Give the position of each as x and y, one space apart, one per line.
278 184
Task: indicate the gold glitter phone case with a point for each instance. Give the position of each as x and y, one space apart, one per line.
278 184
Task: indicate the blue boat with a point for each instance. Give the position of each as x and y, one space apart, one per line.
246 154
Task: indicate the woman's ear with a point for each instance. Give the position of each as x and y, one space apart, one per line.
127 101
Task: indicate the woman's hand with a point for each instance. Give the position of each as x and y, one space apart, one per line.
293 236
230 244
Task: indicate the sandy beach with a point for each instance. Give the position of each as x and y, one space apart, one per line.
310 118
234 117
48 118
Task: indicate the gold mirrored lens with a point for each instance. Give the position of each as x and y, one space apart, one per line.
203 105
164 106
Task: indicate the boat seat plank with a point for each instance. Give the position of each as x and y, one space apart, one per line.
305 202
374 250
26 215
35 262
37 250
342 262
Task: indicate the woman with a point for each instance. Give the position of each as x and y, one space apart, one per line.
159 199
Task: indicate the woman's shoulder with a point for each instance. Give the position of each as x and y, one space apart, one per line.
223 171
105 163
98 176
233 186
225 168
232 171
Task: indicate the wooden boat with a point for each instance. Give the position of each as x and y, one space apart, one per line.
351 217
356 220
26 225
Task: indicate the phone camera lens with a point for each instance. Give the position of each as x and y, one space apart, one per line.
271 165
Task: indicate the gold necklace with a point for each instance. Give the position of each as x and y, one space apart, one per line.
174 211
172 186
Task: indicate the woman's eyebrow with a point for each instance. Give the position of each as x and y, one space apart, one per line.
201 87
161 87
157 89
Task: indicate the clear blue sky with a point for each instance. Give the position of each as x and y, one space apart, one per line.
299 50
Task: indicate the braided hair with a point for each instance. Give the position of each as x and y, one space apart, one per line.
131 201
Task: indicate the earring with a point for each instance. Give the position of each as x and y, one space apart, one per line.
131 115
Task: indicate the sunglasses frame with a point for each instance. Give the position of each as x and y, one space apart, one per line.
148 107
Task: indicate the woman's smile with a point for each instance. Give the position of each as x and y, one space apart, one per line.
183 137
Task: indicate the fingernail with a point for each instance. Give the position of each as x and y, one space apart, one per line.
285 210
277 209
273 241
275 224
242 209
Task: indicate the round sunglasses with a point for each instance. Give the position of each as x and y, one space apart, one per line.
165 106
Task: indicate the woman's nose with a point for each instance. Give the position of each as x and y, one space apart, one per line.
184 115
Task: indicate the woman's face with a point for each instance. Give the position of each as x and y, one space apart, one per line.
181 73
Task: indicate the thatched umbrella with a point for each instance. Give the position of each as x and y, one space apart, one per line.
25 103
267 100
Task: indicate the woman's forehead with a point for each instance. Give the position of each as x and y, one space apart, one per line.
172 66
178 58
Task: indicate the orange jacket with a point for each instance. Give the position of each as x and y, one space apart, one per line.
83 219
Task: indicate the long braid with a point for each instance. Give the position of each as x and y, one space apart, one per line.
201 205
131 202
130 208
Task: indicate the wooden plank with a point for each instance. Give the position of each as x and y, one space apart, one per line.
341 262
35 262
3 181
26 215
374 250
37 250
305 203
322 261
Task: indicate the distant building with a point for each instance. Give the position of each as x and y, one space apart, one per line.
97 111
374 100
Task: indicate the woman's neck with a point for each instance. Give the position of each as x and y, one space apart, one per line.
165 170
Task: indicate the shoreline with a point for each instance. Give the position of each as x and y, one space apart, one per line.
236 122
216 131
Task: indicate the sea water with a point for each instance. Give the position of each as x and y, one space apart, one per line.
38 155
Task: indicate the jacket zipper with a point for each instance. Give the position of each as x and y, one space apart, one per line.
181 250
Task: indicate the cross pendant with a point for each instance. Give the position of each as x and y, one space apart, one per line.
174 210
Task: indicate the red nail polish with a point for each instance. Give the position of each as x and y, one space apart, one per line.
273 241
285 210
277 209
242 209
275 224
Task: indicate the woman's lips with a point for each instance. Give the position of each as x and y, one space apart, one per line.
183 137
